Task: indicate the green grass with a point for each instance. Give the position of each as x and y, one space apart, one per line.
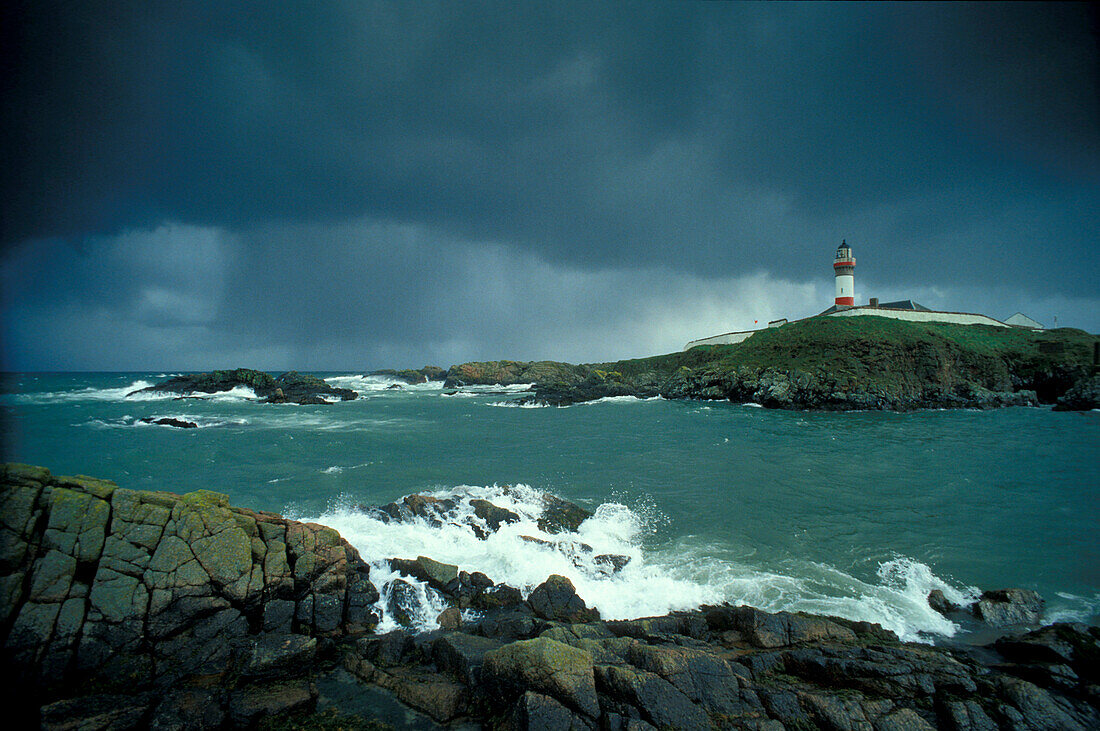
880 348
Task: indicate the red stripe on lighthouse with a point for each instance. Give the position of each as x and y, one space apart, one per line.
845 300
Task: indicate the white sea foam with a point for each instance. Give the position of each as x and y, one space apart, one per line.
619 400
370 385
1068 607
518 404
118 393
651 583
128 421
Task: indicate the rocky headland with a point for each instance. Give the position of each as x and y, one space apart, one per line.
132 609
291 387
834 364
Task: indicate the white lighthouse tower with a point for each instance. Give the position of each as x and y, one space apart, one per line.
844 267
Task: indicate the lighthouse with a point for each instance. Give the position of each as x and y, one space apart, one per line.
844 267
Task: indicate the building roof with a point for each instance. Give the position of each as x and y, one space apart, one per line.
1022 320
899 305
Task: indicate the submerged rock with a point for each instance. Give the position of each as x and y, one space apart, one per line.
169 421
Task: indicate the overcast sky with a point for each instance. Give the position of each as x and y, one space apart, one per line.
344 186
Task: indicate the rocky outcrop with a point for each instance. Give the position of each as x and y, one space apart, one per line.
125 610
114 591
169 421
510 372
1082 396
290 387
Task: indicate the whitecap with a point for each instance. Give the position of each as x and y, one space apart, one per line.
652 582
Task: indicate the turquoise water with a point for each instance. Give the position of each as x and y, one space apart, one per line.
856 514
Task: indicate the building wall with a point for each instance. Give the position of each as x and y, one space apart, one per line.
724 339
958 318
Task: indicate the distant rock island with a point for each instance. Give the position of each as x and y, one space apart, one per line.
291 387
835 364
129 609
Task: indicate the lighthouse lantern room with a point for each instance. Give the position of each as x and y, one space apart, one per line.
844 267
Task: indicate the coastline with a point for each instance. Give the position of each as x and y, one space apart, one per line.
126 608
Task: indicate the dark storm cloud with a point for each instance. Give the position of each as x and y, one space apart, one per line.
276 147
588 132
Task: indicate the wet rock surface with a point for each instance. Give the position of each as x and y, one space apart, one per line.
126 609
291 387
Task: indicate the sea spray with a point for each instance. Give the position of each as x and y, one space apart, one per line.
375 385
636 583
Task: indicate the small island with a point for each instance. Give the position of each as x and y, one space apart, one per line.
827 363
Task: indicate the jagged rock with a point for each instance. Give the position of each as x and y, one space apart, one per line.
556 599
538 711
463 654
493 515
436 574
402 603
169 421
1008 607
450 618
611 563
544 666
133 589
782 629
939 602
1084 395
510 624
497 597
561 516
658 700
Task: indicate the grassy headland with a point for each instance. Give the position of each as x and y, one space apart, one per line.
829 363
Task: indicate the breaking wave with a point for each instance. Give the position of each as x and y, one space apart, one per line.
155 421
373 385
612 568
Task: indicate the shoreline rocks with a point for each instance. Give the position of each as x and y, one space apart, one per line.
129 609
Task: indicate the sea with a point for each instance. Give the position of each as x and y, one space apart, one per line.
858 515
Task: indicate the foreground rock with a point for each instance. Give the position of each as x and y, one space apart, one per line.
113 591
125 610
291 387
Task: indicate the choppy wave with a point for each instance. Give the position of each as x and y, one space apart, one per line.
1066 607
518 404
367 385
339 469
620 400
653 582
131 393
200 422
